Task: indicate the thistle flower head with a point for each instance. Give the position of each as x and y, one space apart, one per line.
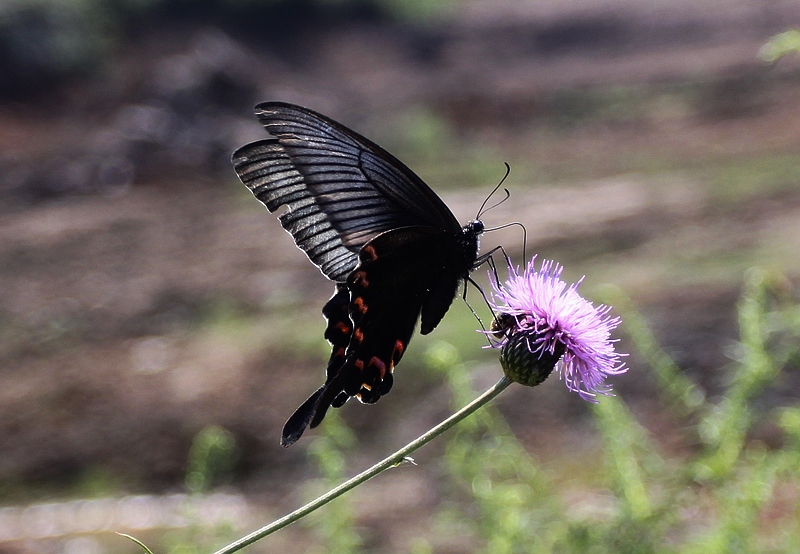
544 324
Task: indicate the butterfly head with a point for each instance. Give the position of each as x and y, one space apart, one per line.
473 228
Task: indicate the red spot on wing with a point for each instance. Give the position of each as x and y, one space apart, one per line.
377 362
360 279
369 250
359 336
360 305
397 353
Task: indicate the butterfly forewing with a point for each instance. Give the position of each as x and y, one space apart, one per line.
340 165
269 173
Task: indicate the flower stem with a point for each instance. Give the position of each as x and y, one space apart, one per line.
391 461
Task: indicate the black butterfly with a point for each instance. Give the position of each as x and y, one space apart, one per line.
393 248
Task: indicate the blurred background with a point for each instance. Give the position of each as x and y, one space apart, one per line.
157 326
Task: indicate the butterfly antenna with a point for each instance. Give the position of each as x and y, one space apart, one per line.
481 210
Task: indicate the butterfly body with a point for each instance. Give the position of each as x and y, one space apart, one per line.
395 251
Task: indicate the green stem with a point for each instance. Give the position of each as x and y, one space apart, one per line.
381 466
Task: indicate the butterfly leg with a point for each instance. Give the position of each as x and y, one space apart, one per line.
487 258
470 280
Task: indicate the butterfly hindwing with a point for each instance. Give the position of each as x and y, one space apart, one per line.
396 279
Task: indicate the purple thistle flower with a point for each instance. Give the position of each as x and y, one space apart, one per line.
542 323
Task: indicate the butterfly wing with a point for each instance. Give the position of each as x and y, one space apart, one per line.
371 225
341 189
401 274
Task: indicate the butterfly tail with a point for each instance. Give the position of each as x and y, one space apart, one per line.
300 419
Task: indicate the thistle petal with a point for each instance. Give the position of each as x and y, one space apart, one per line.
544 323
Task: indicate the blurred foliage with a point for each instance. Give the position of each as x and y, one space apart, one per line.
781 45
334 526
211 459
727 492
210 464
717 499
514 506
440 156
746 178
44 41
417 10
